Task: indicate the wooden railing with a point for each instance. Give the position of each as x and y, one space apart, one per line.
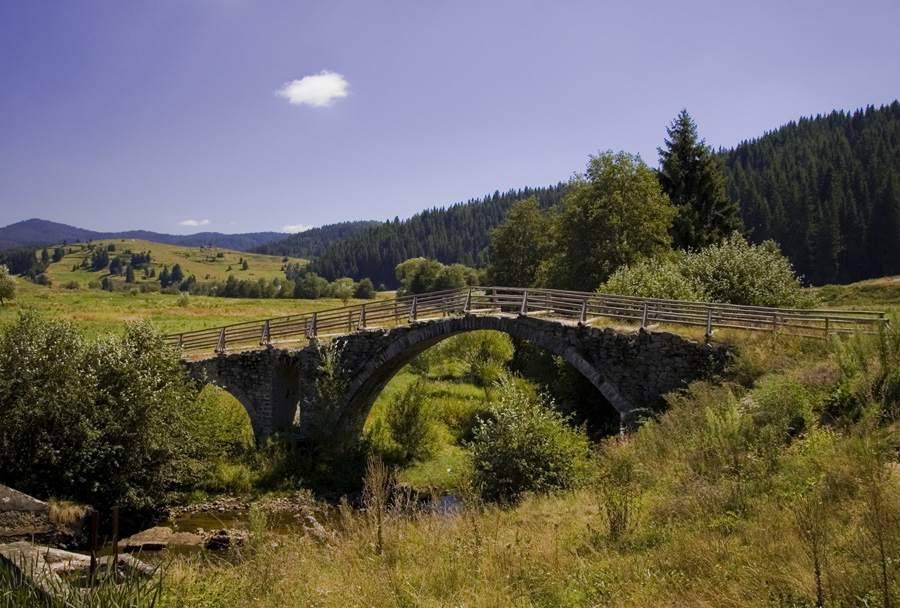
579 307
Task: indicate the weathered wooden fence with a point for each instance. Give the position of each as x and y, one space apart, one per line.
567 306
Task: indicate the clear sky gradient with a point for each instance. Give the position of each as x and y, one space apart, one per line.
146 115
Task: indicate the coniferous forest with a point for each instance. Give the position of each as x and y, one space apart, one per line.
458 234
827 189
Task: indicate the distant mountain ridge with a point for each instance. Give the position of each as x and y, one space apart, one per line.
43 232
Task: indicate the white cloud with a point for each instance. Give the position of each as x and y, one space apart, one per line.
296 228
193 223
318 90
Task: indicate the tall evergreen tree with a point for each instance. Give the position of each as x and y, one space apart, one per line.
692 177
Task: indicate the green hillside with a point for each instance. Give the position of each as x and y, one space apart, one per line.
205 263
828 190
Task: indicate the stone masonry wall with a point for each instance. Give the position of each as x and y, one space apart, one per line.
632 371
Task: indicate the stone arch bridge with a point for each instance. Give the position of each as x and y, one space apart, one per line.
278 387
275 367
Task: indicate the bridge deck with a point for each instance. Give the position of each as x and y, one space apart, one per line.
564 306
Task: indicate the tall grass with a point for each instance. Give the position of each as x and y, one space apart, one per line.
112 588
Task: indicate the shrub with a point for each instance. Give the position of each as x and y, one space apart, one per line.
733 271
661 278
411 422
524 445
740 273
108 422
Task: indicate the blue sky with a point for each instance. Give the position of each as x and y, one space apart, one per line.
146 115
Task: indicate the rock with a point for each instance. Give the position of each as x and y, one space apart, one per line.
12 500
186 539
225 539
313 529
153 539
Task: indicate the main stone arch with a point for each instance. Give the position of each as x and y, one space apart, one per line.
631 370
378 368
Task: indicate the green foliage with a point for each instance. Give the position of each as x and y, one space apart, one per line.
614 215
7 284
482 353
740 273
107 422
692 178
658 278
421 275
410 419
331 384
365 290
733 271
519 244
343 289
310 287
618 483
524 445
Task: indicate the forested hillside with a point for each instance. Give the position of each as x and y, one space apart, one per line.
313 242
828 190
43 232
460 233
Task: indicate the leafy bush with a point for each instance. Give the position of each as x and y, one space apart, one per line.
524 445
411 422
733 271
660 278
740 273
108 422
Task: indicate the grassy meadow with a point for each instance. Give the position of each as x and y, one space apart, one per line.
97 311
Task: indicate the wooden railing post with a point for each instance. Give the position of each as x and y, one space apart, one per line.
95 529
180 340
775 323
413 310
644 317
524 309
708 323
265 338
468 305
313 328
826 327
220 347
583 318
115 538
362 317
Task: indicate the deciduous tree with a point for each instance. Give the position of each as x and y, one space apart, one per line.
519 244
615 214
7 284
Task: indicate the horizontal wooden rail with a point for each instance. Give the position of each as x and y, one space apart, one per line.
584 308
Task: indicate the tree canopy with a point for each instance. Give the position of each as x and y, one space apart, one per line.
615 214
518 245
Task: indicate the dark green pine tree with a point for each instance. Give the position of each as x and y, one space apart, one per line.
691 176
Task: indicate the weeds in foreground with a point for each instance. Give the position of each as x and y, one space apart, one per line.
115 589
